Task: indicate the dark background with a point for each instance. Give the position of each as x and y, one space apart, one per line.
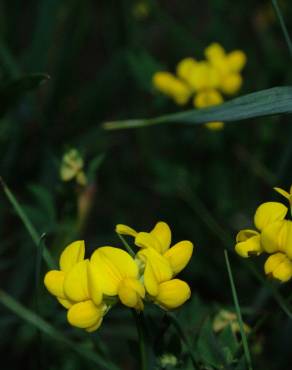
101 56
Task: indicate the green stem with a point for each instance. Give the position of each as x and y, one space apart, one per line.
238 313
183 337
126 245
141 338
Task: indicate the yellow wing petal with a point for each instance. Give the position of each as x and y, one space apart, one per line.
54 281
146 240
71 255
76 282
272 237
172 294
131 292
179 255
94 286
245 234
112 265
279 267
162 233
249 247
269 212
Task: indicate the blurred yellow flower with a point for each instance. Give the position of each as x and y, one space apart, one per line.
171 86
72 167
206 80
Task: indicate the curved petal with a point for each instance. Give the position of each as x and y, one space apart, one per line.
146 240
272 235
71 255
269 212
54 281
279 267
245 234
157 269
249 247
84 314
112 265
173 293
94 287
162 233
287 242
76 282
179 255
95 326
125 230
130 293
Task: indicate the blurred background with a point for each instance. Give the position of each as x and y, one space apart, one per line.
100 56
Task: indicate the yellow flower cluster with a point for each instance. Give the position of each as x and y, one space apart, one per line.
273 236
88 288
205 80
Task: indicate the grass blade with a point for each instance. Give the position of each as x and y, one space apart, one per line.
238 313
28 225
277 100
32 318
283 25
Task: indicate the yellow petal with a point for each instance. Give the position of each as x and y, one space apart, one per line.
286 243
272 235
215 126
130 293
231 83
208 98
185 67
214 51
65 302
282 192
162 233
76 282
249 247
236 60
95 326
125 230
279 267
71 255
112 265
245 234
157 269
94 287
146 240
54 281
179 255
173 293
269 212
84 315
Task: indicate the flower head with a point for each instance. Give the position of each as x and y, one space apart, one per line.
76 288
273 236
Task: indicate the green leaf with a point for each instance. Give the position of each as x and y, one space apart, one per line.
13 90
277 100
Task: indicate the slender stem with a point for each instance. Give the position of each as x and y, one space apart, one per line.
283 25
141 338
238 313
126 245
183 337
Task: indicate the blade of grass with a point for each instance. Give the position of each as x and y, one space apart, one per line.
35 320
283 25
238 313
126 245
28 225
277 100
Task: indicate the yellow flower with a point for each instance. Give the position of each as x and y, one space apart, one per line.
171 86
159 238
72 167
185 68
251 242
118 275
279 267
77 289
165 291
203 77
